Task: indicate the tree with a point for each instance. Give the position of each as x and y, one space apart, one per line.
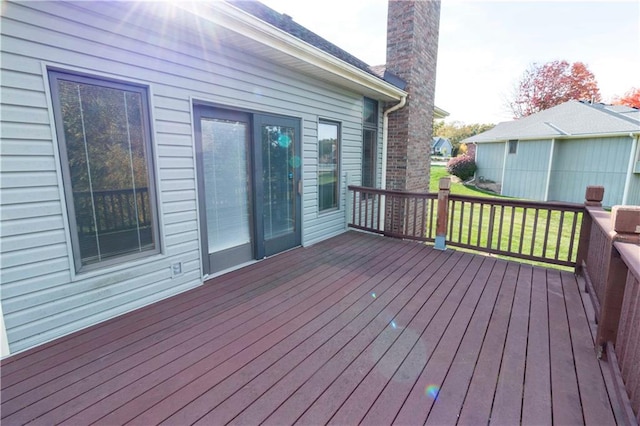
457 131
544 86
631 98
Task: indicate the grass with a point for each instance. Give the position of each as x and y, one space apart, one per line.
457 188
528 227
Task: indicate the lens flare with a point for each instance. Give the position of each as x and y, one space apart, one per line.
393 325
373 295
284 140
432 391
295 161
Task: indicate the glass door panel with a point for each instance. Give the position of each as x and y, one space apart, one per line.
280 170
225 188
278 180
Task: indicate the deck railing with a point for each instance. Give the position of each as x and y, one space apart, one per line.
609 261
536 231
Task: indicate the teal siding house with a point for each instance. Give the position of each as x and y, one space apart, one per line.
554 154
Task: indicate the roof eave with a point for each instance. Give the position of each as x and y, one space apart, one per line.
243 23
572 136
439 113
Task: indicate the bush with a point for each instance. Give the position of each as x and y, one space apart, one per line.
462 166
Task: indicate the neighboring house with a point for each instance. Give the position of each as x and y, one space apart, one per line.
147 146
441 146
554 154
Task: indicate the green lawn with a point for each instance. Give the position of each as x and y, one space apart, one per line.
529 228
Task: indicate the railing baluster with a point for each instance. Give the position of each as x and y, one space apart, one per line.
366 210
431 211
416 232
524 224
459 240
380 207
573 232
513 212
500 228
423 221
559 240
471 209
479 234
546 233
356 195
535 229
492 211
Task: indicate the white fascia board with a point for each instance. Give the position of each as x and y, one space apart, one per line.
230 17
558 137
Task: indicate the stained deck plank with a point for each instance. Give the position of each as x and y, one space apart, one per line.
350 330
536 408
507 403
565 395
595 402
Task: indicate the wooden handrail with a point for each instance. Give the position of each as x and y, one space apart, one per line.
610 263
485 224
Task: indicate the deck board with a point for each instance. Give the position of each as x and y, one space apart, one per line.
564 385
507 401
358 328
536 408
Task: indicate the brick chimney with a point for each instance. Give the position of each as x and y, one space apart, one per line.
412 50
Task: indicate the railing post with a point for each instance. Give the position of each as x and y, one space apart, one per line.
626 227
443 214
593 198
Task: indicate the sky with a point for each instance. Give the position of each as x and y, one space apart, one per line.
485 46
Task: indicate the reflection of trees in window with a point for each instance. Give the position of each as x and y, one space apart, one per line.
279 162
106 147
328 173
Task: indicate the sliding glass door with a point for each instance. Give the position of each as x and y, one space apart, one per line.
248 183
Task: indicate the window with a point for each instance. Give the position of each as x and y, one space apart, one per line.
513 146
369 142
328 160
105 145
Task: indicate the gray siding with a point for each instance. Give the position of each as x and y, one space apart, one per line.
42 297
526 171
596 161
490 159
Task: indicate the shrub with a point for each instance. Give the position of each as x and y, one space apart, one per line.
462 166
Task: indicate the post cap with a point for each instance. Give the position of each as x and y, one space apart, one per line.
626 219
445 183
594 194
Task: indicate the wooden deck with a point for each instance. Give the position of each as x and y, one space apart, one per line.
359 328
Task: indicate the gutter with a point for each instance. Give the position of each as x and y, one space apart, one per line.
385 145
